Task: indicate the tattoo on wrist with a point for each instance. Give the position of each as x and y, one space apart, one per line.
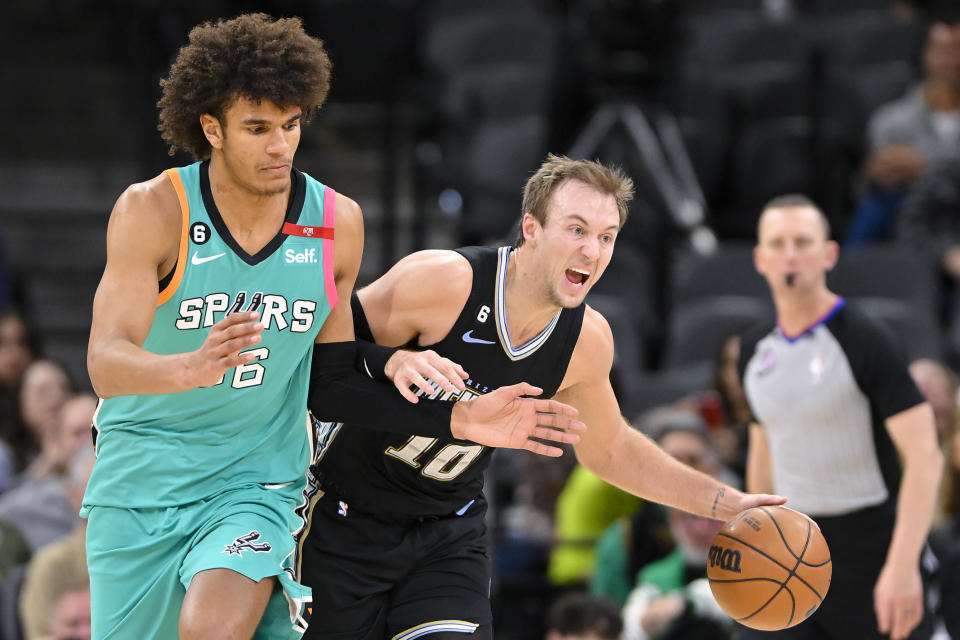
716 500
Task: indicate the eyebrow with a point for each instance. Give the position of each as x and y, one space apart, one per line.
583 221
253 121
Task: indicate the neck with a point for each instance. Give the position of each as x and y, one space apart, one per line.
942 96
243 209
797 313
528 309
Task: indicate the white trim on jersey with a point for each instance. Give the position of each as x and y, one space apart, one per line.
456 626
503 330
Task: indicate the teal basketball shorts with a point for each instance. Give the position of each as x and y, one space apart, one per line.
141 561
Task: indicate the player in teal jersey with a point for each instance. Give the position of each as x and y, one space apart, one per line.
216 313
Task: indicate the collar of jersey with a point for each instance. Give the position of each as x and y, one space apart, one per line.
500 312
809 330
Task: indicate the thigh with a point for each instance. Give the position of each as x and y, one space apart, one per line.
351 563
134 559
248 531
449 588
223 603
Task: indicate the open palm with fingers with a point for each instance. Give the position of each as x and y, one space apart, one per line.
505 418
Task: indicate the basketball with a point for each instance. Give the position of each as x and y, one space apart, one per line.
769 568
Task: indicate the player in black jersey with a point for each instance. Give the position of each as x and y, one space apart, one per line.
396 546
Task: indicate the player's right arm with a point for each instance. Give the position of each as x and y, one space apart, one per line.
143 244
759 468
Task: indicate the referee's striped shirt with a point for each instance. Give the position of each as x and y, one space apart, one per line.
822 397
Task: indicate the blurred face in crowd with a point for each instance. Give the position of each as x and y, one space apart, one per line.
935 385
690 449
941 56
793 252
71 616
575 244
45 389
15 353
73 431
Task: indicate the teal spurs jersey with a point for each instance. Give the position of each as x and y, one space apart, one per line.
251 427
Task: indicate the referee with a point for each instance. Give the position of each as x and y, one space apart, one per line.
835 411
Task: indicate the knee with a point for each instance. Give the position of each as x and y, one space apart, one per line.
203 625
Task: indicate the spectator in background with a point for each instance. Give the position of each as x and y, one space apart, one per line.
63 561
672 599
579 616
14 550
909 134
634 541
929 224
17 350
725 408
586 506
44 389
945 538
523 493
70 614
938 384
40 507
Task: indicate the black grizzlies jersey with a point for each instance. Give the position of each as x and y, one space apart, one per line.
395 478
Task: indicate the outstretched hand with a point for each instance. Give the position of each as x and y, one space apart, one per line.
503 418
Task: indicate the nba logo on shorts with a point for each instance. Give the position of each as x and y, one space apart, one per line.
342 508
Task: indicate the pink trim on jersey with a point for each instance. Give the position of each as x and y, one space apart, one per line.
329 199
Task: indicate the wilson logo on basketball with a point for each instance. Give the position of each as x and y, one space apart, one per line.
726 559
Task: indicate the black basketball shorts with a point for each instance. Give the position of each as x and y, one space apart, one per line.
373 580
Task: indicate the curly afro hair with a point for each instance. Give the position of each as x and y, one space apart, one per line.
252 56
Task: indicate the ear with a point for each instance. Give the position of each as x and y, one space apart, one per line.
833 254
529 226
758 260
212 130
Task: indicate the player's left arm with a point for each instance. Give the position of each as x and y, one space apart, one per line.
623 456
338 391
898 594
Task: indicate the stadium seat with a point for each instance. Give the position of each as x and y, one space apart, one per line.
861 39
917 329
658 388
771 157
727 271
497 156
629 355
885 271
696 330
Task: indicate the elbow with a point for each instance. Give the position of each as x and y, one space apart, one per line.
937 462
95 373
929 464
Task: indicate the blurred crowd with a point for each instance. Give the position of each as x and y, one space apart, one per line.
579 557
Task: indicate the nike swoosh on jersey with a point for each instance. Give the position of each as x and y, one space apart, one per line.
469 338
198 260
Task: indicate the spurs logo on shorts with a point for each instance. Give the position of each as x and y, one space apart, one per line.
247 542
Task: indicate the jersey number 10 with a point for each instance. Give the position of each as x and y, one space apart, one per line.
447 464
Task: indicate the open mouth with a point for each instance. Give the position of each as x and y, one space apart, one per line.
577 276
